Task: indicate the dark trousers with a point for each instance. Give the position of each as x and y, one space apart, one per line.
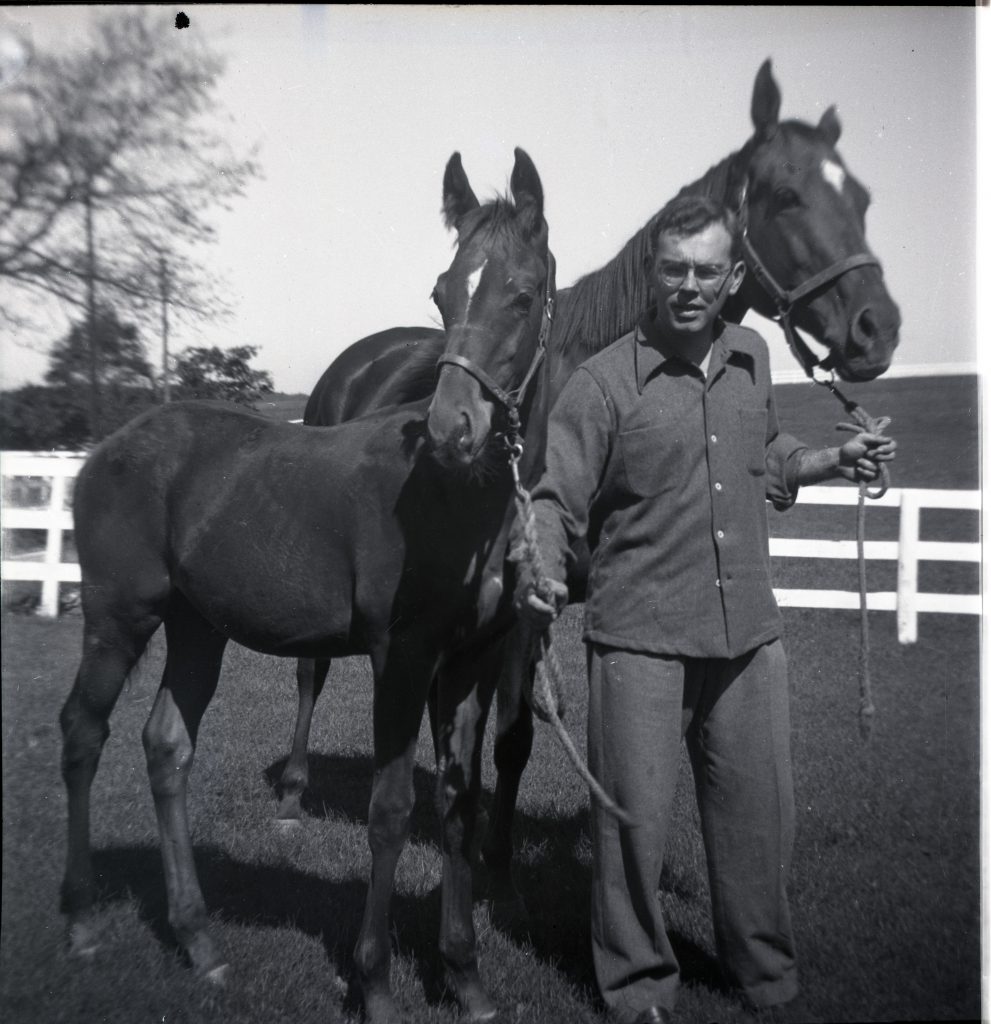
733 715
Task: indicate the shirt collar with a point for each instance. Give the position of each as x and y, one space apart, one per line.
648 358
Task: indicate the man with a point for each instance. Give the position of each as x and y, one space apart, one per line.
663 450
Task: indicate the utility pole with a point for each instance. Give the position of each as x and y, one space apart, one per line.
95 424
163 279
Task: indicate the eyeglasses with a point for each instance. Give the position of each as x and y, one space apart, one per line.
708 276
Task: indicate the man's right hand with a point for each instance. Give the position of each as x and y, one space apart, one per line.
537 611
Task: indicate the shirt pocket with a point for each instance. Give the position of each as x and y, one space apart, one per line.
652 457
753 431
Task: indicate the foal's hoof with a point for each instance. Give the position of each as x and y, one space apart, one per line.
380 1008
218 975
82 941
468 990
290 811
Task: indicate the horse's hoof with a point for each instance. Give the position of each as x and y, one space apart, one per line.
218 975
82 940
475 1002
290 811
205 959
380 1008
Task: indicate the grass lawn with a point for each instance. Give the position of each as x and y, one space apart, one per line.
885 883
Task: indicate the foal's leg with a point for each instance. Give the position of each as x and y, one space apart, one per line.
402 677
112 643
195 653
513 743
465 688
311 674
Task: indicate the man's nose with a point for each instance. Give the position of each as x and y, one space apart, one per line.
690 283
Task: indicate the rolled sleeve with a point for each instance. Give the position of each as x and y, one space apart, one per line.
782 459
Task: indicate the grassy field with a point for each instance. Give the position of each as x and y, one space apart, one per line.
885 889
885 886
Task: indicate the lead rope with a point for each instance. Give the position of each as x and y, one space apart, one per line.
549 688
863 421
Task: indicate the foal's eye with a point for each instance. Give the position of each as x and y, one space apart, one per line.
786 198
523 302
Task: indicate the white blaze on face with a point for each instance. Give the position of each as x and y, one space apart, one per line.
473 278
834 174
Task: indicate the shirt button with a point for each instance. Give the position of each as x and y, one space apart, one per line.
713 438
719 487
719 583
720 534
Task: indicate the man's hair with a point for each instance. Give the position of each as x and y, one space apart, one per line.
688 215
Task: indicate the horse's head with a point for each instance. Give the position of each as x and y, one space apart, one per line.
803 214
495 303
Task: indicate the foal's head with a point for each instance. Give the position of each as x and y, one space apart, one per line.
804 213
494 301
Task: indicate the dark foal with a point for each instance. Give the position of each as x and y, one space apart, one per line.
386 536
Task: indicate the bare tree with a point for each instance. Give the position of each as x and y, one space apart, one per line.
111 164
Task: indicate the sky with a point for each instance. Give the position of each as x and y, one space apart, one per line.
356 110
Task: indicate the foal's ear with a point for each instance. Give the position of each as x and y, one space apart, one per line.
830 127
458 196
766 102
528 193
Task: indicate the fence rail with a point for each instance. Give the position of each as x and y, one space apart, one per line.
53 516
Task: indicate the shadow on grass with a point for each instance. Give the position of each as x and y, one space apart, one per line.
553 880
276 896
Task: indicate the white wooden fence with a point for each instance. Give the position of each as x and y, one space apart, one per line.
49 511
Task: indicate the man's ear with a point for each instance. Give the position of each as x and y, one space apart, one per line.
736 277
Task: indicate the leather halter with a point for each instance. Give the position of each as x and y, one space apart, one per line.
786 299
512 400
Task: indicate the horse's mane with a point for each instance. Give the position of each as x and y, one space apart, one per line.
605 304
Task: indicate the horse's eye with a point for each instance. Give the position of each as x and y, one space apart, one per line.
523 302
786 198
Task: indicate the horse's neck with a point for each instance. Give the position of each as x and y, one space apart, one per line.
604 305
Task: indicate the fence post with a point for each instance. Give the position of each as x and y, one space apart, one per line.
908 567
53 548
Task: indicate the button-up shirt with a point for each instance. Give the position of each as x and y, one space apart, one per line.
667 471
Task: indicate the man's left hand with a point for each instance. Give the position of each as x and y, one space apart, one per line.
861 457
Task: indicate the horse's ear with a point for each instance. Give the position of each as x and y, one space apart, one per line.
766 102
830 127
458 196
528 193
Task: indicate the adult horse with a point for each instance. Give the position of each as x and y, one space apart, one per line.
385 536
808 263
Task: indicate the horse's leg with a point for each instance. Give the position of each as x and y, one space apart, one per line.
465 689
513 743
112 643
311 674
192 667
402 677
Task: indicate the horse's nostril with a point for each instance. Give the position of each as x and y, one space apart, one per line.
867 322
464 437
865 328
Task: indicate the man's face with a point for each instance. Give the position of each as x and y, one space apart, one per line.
693 276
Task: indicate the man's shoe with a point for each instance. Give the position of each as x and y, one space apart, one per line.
653 1015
